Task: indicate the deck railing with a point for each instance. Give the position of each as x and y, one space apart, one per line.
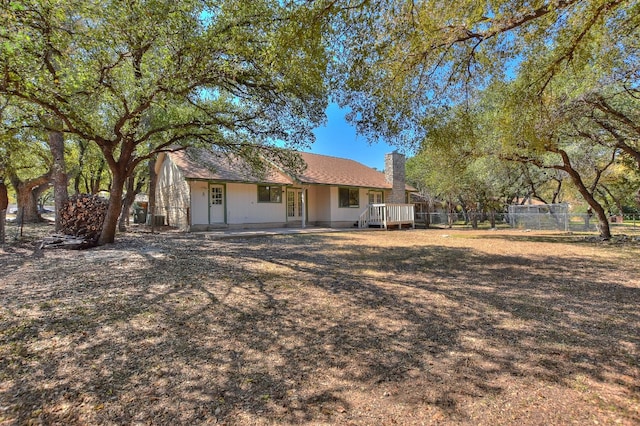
385 215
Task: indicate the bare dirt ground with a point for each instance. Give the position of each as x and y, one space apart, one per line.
400 327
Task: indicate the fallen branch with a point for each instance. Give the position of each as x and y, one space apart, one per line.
70 242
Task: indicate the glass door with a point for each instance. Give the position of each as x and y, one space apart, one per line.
294 204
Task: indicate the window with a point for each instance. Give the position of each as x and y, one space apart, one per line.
291 206
216 195
269 194
348 197
375 197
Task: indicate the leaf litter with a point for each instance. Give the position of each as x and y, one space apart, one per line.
403 327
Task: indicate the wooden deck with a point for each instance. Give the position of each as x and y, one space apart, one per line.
387 216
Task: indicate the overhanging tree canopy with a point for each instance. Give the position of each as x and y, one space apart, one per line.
139 77
409 63
404 60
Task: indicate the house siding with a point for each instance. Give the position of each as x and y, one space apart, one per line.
345 217
319 205
172 195
184 189
323 206
199 202
243 208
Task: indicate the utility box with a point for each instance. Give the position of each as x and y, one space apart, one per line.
158 220
139 212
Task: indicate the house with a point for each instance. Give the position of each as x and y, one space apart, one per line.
203 190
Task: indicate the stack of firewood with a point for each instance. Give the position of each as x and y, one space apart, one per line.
81 219
83 215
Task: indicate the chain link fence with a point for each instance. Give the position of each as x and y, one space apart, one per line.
552 217
535 218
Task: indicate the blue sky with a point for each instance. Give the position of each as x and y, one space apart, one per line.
339 139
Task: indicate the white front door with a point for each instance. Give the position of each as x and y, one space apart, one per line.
294 205
216 204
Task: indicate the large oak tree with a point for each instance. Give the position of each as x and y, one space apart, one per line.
142 76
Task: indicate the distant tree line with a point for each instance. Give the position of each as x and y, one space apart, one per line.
499 100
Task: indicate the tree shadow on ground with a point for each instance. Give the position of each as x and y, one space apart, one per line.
585 239
289 329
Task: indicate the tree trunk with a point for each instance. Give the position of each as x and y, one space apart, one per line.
127 201
108 234
27 194
450 214
120 169
58 172
587 219
603 223
82 149
96 178
465 212
153 178
603 220
27 206
427 215
91 180
4 196
3 225
4 204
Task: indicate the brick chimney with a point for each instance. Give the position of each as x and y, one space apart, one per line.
394 174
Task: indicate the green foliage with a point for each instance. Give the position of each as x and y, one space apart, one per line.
403 60
139 77
504 97
455 163
23 150
161 73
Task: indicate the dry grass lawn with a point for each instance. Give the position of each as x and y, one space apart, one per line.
401 327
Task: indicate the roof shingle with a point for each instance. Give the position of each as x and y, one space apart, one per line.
321 170
203 164
326 170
